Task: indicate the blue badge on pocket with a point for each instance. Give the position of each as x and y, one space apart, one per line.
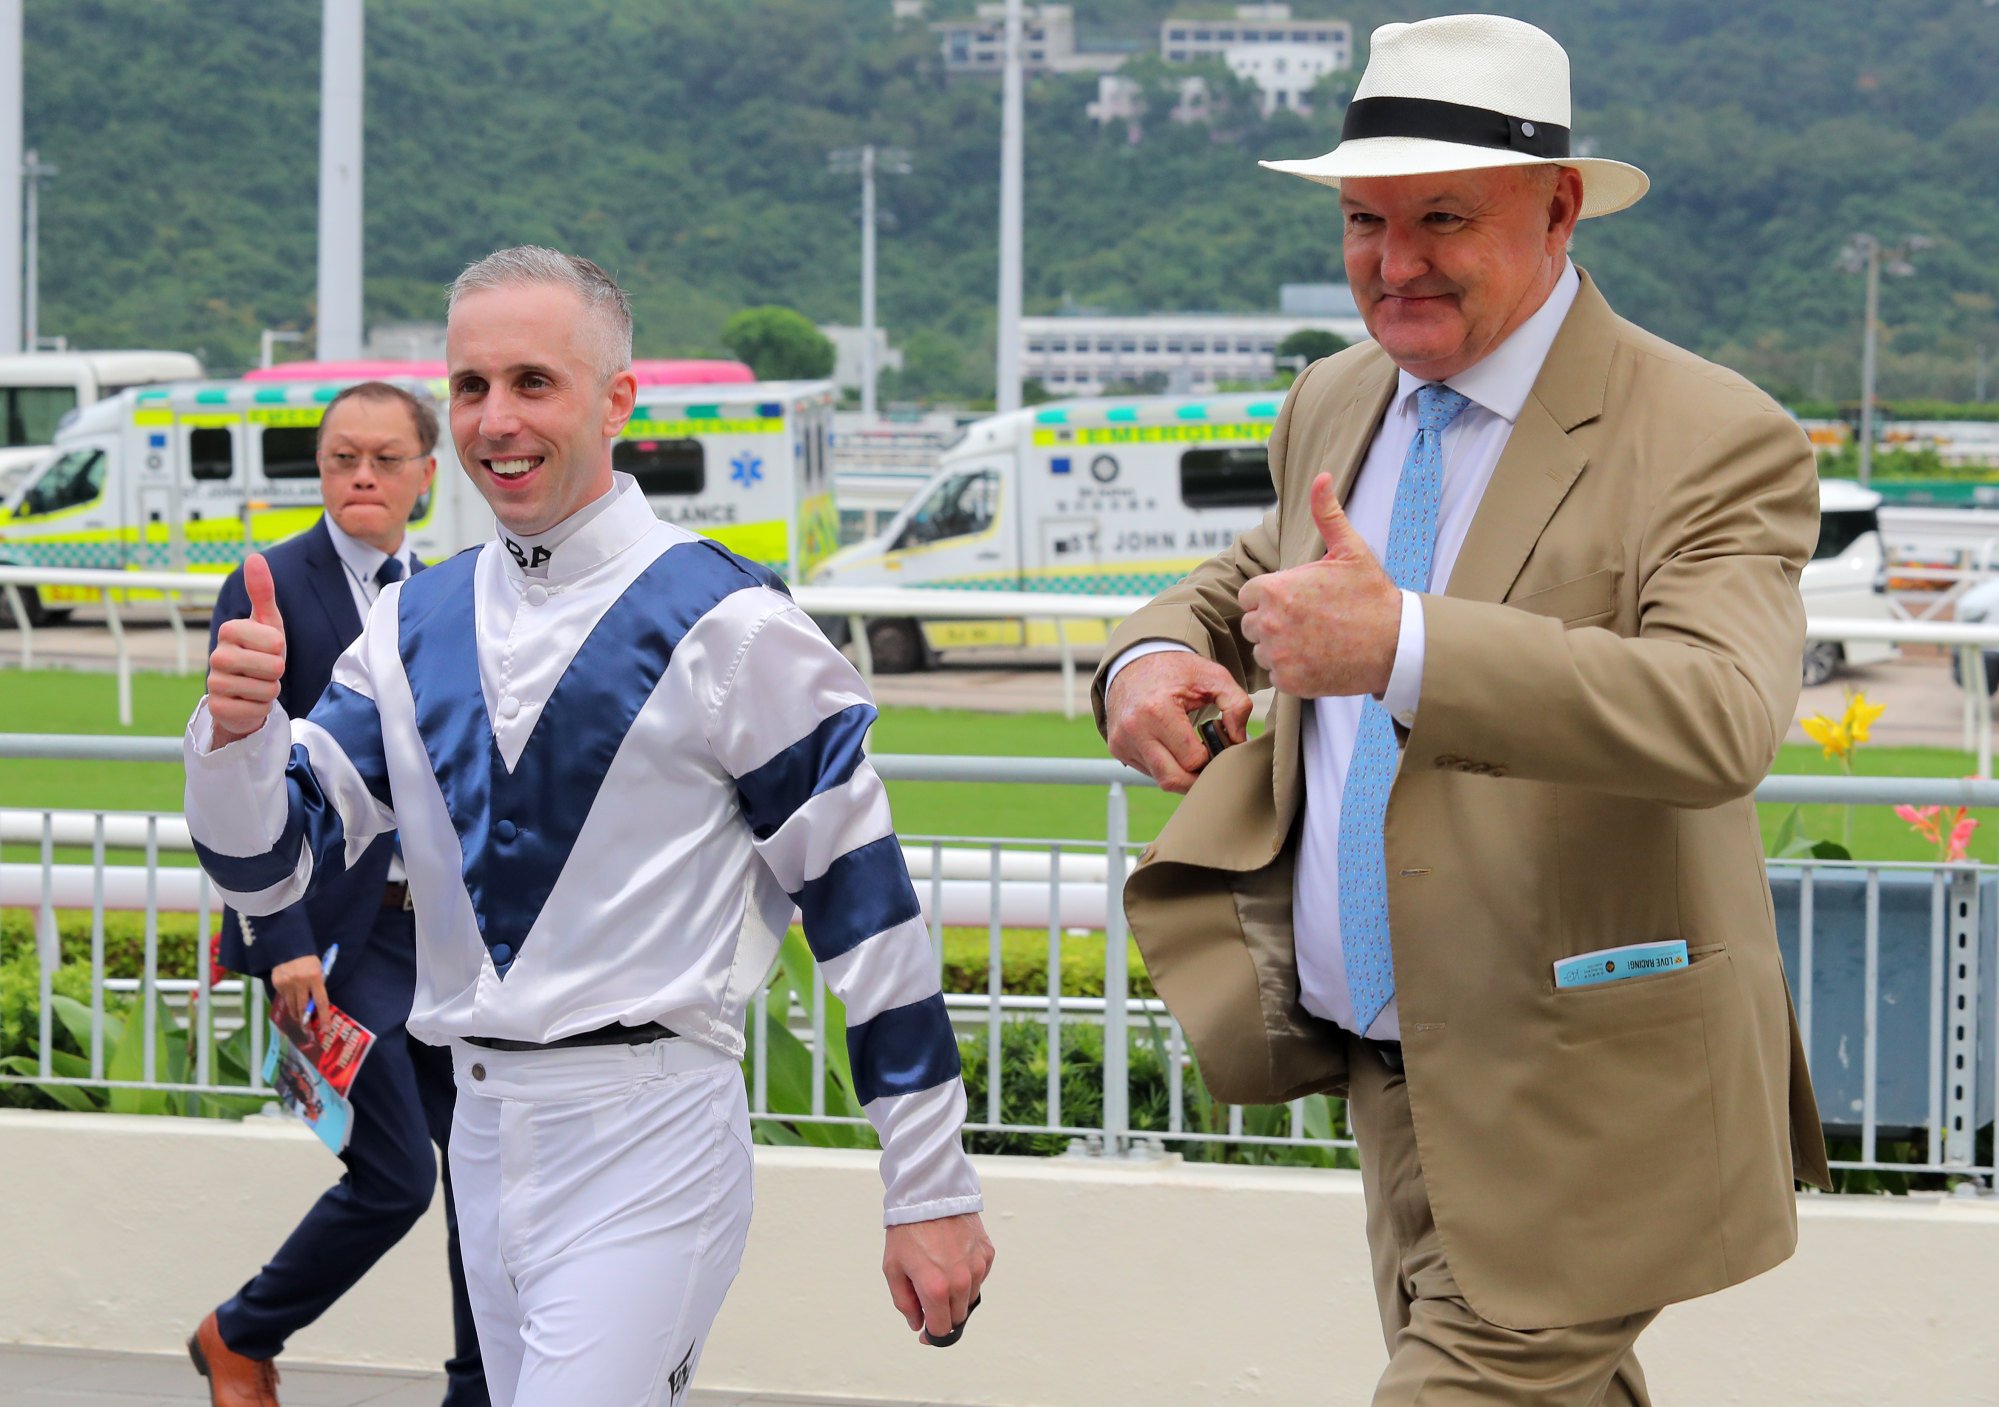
1617 964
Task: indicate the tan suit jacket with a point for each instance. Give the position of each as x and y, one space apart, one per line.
1606 679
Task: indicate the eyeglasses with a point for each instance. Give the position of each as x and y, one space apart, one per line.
388 465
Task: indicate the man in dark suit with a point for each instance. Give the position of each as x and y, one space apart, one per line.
375 462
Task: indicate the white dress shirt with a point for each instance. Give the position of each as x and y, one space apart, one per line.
362 562
615 783
1498 388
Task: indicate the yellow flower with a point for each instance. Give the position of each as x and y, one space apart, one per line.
1831 736
1861 716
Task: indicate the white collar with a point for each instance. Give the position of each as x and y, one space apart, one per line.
1502 380
587 538
360 558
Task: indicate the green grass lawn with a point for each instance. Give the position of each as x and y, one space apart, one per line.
59 701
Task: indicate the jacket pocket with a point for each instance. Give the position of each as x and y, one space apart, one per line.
1576 601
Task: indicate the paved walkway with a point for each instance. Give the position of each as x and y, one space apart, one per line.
69 1377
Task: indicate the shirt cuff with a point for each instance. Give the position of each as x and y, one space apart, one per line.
1143 647
1405 679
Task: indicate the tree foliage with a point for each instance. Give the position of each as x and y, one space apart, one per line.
779 344
682 144
1311 343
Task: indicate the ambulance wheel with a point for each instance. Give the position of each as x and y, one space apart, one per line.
896 646
1822 661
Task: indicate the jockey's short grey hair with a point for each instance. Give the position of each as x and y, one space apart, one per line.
609 309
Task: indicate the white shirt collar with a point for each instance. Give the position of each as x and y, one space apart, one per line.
587 538
1502 380
361 559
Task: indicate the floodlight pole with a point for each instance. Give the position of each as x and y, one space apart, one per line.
34 171
868 368
340 151
1007 391
1872 251
11 280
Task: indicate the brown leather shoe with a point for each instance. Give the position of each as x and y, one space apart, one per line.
233 1380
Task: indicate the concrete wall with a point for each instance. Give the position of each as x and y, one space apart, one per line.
1123 1283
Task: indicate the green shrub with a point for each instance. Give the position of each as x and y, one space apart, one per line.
124 939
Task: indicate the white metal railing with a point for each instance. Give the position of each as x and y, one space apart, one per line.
1891 966
856 604
1968 641
175 586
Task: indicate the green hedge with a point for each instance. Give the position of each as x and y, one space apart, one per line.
1023 952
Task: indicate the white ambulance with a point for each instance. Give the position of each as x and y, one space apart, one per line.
37 389
1093 497
190 477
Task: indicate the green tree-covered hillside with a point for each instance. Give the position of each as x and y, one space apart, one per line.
683 144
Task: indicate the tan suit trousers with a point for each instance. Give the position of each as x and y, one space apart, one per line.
1440 1352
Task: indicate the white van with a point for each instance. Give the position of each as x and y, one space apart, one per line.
190 477
1846 577
37 389
1095 497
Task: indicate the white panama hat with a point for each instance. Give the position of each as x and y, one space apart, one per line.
1465 93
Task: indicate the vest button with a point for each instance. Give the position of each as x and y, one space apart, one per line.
505 831
509 706
478 1072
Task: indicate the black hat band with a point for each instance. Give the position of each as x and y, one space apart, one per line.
1432 120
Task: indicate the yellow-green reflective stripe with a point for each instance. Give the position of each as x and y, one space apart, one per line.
290 416
210 422
688 429
1152 434
152 417
760 542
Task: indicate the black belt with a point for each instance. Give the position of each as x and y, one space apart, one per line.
1389 1051
603 1035
396 895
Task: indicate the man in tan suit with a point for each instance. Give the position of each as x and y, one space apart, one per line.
1528 601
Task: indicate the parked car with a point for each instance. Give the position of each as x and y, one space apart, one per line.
1846 577
1976 607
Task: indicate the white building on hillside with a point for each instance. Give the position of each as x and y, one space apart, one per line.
1284 72
1047 43
1183 40
847 344
1081 355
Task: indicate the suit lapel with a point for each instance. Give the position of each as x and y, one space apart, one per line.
329 584
1345 443
1541 461
1344 433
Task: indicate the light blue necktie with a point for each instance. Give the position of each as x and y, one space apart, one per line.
1363 865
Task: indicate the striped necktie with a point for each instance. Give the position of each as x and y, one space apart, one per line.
1363 864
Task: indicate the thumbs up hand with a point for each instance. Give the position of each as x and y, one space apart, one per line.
1330 627
248 660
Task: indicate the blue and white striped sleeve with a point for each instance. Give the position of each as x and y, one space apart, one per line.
292 800
789 727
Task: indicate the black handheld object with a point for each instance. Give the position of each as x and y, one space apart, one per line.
1212 734
957 1329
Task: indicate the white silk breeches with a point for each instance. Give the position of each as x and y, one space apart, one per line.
603 1200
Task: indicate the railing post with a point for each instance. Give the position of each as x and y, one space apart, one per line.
27 631
1960 1102
1117 1075
124 659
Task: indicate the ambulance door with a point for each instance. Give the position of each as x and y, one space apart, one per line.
66 517
817 530
959 535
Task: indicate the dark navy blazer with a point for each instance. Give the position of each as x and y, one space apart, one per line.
320 622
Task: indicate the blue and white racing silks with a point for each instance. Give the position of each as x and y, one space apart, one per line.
614 783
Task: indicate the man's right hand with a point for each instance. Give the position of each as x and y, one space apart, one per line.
1146 713
299 983
248 660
